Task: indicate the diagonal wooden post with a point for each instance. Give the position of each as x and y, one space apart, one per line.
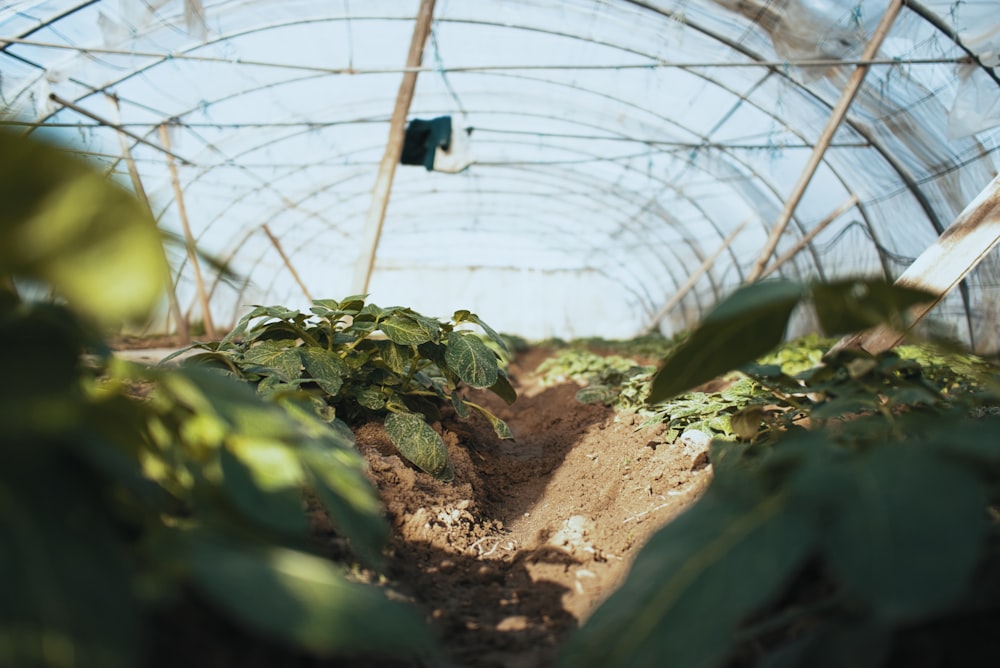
393 150
809 236
175 308
284 258
206 313
836 117
654 322
942 266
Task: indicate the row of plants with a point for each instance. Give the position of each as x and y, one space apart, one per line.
851 517
125 489
357 362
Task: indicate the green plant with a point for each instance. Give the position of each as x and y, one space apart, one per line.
831 545
122 487
357 359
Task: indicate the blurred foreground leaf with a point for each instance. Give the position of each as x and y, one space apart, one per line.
67 225
303 600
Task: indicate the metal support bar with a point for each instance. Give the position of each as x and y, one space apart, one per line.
393 151
943 265
175 309
812 234
206 313
836 117
654 322
288 263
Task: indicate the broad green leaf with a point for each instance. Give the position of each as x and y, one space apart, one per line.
353 303
67 225
466 316
406 330
40 350
397 357
741 328
67 594
503 389
302 600
499 426
325 367
337 477
419 444
371 397
461 408
853 305
471 360
328 304
285 360
835 645
903 550
695 581
263 479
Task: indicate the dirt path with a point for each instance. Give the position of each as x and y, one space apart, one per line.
508 559
532 534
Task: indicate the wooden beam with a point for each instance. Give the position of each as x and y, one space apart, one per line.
943 265
393 150
836 117
804 241
206 313
288 263
654 322
180 321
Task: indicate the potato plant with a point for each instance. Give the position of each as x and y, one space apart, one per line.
357 360
859 517
123 487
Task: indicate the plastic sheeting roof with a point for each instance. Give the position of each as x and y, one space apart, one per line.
615 144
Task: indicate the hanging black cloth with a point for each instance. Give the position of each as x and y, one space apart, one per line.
422 139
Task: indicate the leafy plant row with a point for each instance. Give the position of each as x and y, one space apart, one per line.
849 521
357 360
123 488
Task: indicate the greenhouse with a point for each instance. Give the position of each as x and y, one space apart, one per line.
499 333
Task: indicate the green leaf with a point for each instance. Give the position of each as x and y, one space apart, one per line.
741 328
67 585
471 360
372 398
905 551
499 426
406 331
325 367
695 581
853 305
67 225
397 357
419 444
337 476
835 645
263 480
503 389
461 408
302 599
284 360
466 316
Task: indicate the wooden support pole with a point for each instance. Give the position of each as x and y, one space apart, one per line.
804 241
206 313
836 117
944 264
288 263
175 309
654 322
393 150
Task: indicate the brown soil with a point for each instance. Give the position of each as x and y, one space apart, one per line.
532 535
